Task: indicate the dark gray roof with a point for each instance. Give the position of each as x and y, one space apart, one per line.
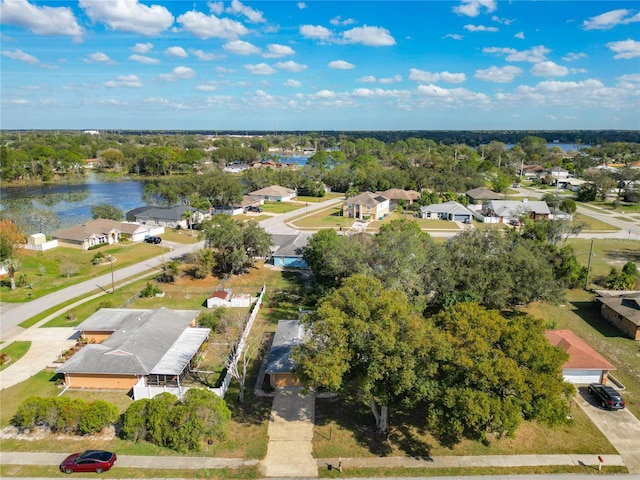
172 214
290 245
288 334
140 340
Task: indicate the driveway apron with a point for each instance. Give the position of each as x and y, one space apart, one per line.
290 434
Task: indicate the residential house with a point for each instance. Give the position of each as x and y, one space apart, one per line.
287 250
479 196
558 173
621 309
94 232
274 193
506 210
452 211
179 216
585 365
571 183
396 194
131 347
279 366
532 171
366 206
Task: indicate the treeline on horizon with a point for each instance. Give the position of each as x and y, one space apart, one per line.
471 138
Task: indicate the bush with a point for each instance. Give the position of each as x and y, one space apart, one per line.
149 290
97 416
98 259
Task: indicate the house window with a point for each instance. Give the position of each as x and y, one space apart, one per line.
368 206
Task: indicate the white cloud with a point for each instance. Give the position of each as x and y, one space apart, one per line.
472 8
240 47
254 16
339 21
206 87
315 32
498 74
178 73
131 81
625 49
291 66
143 59
276 51
519 35
98 57
388 80
177 52
20 56
292 83
549 69
16 101
129 16
369 36
503 21
379 93
428 77
608 20
204 56
366 79
142 47
325 94
261 69
40 20
208 26
451 97
302 5
341 65
572 57
480 28
534 55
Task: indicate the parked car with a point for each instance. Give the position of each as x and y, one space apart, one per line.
152 239
89 461
253 208
606 396
514 222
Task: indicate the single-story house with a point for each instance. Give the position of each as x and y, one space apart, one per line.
532 171
452 211
585 365
94 232
396 194
172 217
274 193
128 347
507 210
366 206
279 369
571 183
478 196
558 173
622 309
286 250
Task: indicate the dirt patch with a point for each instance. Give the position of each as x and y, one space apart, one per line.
42 433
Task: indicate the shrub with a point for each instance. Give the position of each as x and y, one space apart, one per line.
98 258
98 415
149 290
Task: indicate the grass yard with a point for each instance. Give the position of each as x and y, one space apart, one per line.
607 253
593 225
329 218
13 352
327 196
281 207
345 428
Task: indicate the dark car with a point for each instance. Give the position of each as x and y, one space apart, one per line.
253 208
152 239
89 461
606 396
514 222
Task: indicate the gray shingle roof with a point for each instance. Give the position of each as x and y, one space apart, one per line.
288 334
139 341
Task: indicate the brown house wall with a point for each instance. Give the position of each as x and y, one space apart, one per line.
629 328
96 337
123 382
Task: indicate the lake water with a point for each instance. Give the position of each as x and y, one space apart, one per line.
73 202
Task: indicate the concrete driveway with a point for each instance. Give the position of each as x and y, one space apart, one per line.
620 427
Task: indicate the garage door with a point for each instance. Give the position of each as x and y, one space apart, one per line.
460 218
582 376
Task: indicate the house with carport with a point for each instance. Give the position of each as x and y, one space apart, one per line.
585 365
366 206
134 348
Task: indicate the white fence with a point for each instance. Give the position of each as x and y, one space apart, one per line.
43 247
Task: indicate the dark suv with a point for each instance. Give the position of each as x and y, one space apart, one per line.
153 239
606 396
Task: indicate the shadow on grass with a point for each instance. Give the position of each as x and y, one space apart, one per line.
626 255
590 313
354 416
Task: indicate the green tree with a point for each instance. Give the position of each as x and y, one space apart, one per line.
587 192
366 335
98 415
495 373
108 211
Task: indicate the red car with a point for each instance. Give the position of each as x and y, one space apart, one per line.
90 461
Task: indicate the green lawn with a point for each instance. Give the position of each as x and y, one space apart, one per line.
593 225
281 207
13 352
607 253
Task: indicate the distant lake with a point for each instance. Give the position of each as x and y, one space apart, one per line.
73 202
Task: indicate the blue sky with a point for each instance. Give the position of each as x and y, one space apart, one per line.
320 65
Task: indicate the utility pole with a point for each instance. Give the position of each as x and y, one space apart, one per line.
113 284
586 281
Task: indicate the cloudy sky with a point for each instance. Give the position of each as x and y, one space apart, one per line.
320 65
